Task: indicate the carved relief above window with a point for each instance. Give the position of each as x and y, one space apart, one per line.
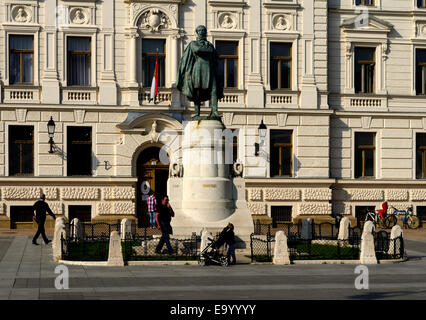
227 20
79 16
22 14
154 20
281 22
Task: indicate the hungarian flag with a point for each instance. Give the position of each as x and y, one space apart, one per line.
154 85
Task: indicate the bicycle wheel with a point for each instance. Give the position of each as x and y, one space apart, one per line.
413 222
390 221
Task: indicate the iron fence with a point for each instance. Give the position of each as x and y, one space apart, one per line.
387 248
85 249
144 247
261 247
324 249
290 229
321 243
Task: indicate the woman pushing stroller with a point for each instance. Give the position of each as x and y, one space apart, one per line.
228 237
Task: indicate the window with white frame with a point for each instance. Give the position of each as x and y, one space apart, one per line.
79 61
228 63
365 63
420 71
151 50
280 65
21 59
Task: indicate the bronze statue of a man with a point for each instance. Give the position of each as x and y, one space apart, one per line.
198 75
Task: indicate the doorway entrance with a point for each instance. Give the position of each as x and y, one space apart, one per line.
152 175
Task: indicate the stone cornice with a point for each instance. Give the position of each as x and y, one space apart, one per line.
87 181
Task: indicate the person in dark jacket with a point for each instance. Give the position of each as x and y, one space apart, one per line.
40 208
228 236
163 218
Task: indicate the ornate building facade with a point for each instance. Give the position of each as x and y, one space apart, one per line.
339 85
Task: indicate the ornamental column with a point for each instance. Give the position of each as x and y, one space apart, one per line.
132 80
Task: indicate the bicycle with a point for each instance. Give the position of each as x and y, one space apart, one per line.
409 219
385 223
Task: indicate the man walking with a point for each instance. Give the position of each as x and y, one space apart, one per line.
152 208
163 218
40 208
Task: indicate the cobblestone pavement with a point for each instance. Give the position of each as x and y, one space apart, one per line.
27 272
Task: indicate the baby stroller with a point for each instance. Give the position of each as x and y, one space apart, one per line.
212 253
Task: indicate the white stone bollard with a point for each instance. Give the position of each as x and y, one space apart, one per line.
126 228
60 220
396 232
368 251
77 229
204 239
115 254
345 223
307 229
57 243
281 255
369 227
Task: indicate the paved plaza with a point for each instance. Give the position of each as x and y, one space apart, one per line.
27 272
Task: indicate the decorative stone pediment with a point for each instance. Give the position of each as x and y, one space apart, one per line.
366 23
149 124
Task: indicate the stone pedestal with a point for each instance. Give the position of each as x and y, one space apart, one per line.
115 255
206 196
281 255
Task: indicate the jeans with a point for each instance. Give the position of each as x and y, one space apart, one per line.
152 218
231 252
40 230
165 238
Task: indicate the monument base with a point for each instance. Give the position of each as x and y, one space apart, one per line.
184 224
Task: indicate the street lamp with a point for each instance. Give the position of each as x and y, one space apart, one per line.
262 135
51 132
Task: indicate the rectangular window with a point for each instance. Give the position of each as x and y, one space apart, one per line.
21 59
228 63
280 214
20 215
83 213
421 71
281 153
364 2
421 3
365 149
79 155
364 70
150 47
280 60
21 150
421 155
79 61
421 212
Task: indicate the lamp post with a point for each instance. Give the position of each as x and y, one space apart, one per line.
262 135
51 132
